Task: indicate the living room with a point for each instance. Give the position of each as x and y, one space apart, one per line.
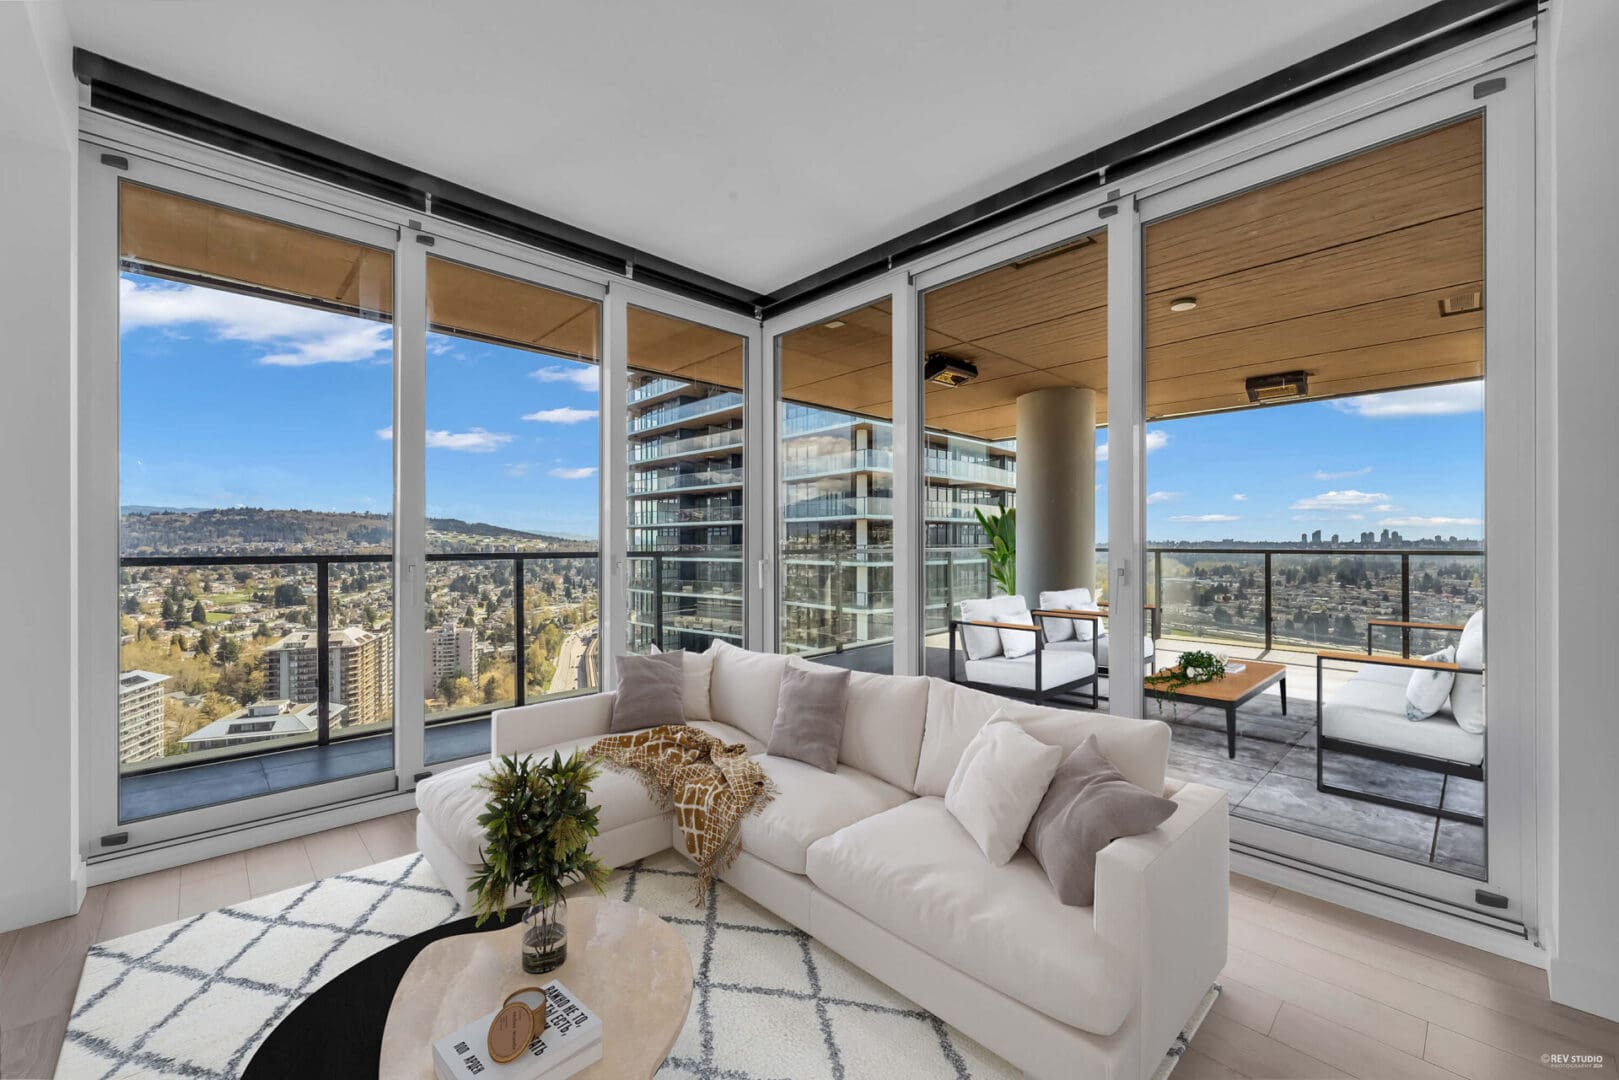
762 501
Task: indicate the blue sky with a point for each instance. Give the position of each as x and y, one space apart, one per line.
229 400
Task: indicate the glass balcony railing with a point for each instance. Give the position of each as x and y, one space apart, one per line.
664 415
692 444
653 388
872 506
652 483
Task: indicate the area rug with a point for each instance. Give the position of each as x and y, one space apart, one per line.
197 997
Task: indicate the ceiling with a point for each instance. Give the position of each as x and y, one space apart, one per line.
755 142
1338 272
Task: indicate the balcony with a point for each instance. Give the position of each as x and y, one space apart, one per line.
655 388
653 483
691 445
876 507
691 515
667 415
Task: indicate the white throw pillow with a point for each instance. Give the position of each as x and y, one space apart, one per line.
1425 694
1068 600
744 688
998 786
698 667
1016 643
985 642
1467 696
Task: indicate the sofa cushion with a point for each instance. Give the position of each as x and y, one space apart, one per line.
916 873
1467 695
650 689
451 804
983 641
1370 709
1056 669
1068 629
698 668
810 804
1138 747
1427 690
810 712
1003 775
882 730
744 688
1074 645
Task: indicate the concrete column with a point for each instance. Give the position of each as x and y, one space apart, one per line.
1056 491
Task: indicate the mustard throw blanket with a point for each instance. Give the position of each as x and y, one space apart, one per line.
709 785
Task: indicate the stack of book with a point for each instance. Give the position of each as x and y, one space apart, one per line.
571 1041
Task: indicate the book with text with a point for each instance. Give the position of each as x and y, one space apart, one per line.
571 1041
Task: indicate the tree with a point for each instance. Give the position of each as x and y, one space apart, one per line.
288 594
132 606
199 614
370 616
229 651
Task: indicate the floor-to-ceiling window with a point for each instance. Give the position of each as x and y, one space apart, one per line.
1314 404
835 462
512 495
684 455
1015 418
255 594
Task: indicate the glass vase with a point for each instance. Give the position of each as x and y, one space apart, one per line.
545 937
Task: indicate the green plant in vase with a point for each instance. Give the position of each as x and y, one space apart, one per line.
1195 667
538 824
1002 550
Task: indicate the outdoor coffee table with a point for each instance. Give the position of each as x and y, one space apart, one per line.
624 963
1229 692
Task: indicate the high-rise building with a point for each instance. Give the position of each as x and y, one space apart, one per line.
1315 537
140 716
361 672
449 652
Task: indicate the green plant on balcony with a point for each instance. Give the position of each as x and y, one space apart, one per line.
1195 667
1002 550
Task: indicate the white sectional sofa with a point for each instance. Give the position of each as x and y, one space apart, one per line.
870 862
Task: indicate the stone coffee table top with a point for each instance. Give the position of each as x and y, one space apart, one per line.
624 963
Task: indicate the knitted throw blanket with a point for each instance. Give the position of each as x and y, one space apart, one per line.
709 785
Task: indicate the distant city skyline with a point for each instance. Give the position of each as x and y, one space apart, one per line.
230 400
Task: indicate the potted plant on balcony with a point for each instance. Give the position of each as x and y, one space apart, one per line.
538 825
1002 550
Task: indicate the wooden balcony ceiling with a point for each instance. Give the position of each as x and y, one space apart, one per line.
1339 272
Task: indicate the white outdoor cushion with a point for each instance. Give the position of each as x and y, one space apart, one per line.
1075 645
1016 643
1068 600
982 641
1467 695
882 725
745 688
1056 668
1370 709
1003 775
1427 690
728 734
916 873
451 804
810 804
1139 748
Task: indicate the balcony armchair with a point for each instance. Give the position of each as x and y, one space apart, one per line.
1367 717
1039 675
1079 604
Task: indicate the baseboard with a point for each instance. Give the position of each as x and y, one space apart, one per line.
1585 988
43 903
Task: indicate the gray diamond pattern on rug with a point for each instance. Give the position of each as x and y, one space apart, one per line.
195 998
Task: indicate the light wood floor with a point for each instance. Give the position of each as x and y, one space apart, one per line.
1311 990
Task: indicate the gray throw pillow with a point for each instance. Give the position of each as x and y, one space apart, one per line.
809 715
1088 805
649 693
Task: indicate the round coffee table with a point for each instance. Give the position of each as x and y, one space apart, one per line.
624 963
339 1030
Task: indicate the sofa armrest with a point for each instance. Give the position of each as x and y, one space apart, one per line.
1162 905
529 727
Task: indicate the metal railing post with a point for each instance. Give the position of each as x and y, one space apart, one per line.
520 634
1267 602
657 599
323 653
1158 579
1405 605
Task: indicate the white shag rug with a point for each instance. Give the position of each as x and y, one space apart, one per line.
195 998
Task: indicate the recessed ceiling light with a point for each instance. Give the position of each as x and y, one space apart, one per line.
834 324
1183 303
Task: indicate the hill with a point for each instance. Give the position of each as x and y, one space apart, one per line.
247 530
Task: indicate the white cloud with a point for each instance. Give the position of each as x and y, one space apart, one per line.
476 441
1322 474
1203 519
1384 508
564 415
1156 440
1445 400
293 336
1162 497
584 376
1427 522
581 473
1239 497
517 469
1340 500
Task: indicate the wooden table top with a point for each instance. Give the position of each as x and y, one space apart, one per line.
1255 675
624 963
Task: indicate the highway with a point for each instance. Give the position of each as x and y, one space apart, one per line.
579 661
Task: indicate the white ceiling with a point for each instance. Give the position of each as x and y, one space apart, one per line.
756 140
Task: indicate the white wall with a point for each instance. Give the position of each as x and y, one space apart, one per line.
1584 87
41 874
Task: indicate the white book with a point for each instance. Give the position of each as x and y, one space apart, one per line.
571 1041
